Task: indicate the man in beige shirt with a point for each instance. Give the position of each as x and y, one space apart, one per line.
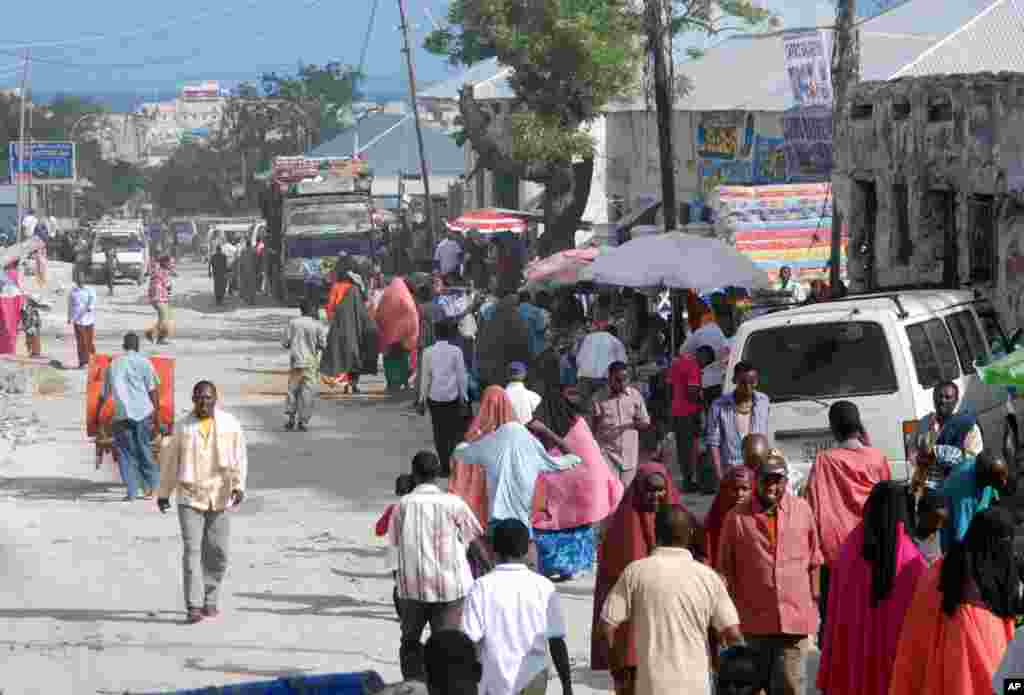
205 466
670 601
619 413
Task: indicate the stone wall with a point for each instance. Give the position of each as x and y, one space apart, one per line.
951 150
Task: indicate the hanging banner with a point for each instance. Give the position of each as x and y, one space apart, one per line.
808 64
808 147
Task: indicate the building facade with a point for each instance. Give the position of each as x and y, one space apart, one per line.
193 116
929 175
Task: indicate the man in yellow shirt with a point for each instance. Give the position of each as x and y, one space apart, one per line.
205 466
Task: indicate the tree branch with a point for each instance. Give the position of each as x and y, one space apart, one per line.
490 154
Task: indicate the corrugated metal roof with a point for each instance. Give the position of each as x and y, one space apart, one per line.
991 42
388 141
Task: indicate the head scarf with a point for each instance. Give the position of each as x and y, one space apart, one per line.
716 515
884 511
555 410
495 411
985 556
844 417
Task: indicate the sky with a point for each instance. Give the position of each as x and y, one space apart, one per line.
148 48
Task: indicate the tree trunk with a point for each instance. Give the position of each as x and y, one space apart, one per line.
564 205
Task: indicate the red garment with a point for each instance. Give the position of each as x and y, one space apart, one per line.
770 583
716 515
629 537
10 315
685 372
384 522
397 317
839 485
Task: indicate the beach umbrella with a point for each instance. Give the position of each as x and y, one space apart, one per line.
677 260
488 221
563 268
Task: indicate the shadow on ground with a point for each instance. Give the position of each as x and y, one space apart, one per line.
75 615
332 605
68 489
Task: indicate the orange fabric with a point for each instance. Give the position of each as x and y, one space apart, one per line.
495 411
839 485
335 297
397 317
164 367
943 655
470 482
698 313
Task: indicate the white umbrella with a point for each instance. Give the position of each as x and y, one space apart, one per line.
677 260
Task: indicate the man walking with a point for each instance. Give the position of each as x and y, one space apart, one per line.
219 273
734 416
431 531
160 298
598 351
684 378
444 389
770 557
82 318
670 601
305 339
205 467
619 413
524 401
514 615
110 265
132 382
448 256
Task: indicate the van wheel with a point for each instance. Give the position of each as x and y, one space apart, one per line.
1010 444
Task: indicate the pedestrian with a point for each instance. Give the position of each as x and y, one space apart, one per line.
839 483
432 531
346 354
514 615
160 298
305 339
736 488
428 315
961 618
598 351
452 668
619 413
110 266
503 339
444 390
133 385
448 256
43 235
219 273
669 601
734 416
687 403
32 324
205 468
756 449
82 260
82 319
397 327
524 401
536 320
943 439
404 485
873 580
248 273
972 487
709 335
769 555
628 536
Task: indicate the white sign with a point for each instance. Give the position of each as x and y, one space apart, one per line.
809 66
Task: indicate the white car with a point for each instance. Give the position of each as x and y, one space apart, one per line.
130 249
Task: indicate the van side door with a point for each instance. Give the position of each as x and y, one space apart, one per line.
972 348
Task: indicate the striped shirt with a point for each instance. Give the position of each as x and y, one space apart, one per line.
431 531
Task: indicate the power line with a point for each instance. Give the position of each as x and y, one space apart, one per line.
369 33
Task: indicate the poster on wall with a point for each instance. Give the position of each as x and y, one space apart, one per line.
808 64
718 136
808 143
769 165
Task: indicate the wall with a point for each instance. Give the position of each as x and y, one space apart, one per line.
955 136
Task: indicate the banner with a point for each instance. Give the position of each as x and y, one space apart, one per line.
808 64
808 147
718 135
288 170
769 160
44 162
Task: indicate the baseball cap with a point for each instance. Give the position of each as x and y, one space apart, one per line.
517 370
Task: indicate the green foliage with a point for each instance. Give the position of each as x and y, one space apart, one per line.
329 90
537 137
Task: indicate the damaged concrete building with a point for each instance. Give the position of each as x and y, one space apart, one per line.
929 174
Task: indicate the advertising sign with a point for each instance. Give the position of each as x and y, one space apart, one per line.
718 136
808 64
43 162
808 148
289 170
769 160
206 90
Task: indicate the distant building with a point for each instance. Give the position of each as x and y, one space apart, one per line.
192 117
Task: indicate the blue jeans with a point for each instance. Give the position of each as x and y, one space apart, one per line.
135 454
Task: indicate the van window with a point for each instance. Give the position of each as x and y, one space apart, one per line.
933 353
967 337
997 340
822 360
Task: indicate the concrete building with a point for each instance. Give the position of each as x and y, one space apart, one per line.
193 115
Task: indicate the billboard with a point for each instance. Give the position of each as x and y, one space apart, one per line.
289 170
206 90
808 143
43 162
809 66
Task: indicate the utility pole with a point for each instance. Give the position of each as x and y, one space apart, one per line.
845 73
663 103
429 204
21 152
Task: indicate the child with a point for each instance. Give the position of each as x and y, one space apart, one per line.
404 484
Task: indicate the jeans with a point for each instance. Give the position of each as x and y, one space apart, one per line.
414 616
132 442
204 535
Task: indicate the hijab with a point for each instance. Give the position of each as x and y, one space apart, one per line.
495 411
985 556
884 511
555 410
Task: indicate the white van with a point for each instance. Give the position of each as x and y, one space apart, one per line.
885 353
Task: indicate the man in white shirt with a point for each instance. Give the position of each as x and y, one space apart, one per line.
444 389
596 354
29 223
448 256
712 376
431 531
82 317
524 401
514 615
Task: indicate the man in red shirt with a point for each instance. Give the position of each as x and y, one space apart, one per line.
684 378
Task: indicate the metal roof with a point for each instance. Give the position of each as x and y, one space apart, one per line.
488 77
991 42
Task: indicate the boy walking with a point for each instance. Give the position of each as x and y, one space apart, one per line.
305 339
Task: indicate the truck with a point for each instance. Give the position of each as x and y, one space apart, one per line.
325 210
128 239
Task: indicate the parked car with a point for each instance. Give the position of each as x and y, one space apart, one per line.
885 353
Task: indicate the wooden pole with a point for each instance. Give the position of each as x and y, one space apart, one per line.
663 103
429 204
845 72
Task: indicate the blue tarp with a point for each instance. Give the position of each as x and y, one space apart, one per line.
358 683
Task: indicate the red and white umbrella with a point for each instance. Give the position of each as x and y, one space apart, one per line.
488 221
